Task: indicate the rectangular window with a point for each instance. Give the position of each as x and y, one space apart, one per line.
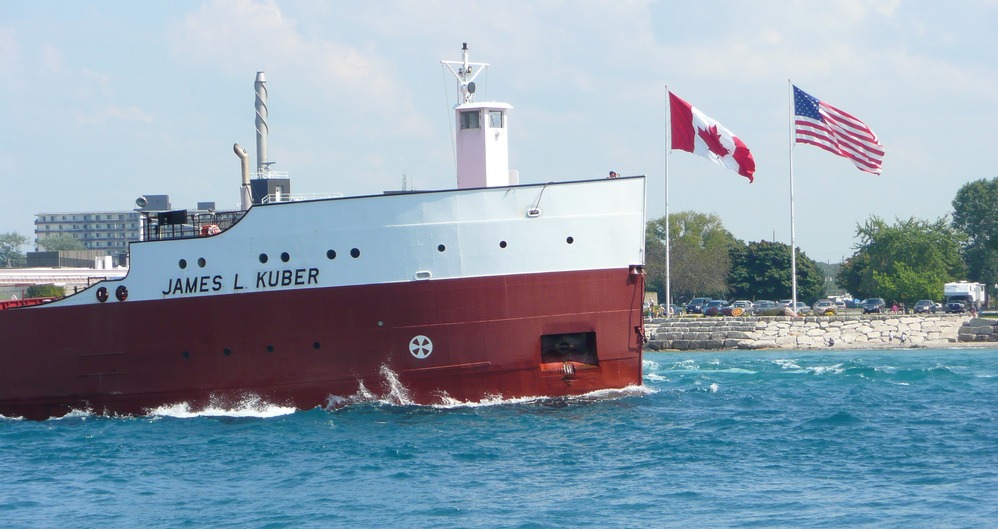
495 119
470 120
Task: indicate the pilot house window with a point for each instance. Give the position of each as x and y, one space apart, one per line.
470 120
495 119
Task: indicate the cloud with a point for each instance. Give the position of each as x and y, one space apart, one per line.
240 36
100 117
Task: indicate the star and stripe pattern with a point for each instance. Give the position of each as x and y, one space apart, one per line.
822 125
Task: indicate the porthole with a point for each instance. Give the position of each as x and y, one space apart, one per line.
263 258
441 247
121 293
202 262
226 351
330 254
285 256
186 355
570 240
102 294
182 264
270 348
355 253
502 244
315 345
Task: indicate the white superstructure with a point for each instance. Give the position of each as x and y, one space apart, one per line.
482 136
435 235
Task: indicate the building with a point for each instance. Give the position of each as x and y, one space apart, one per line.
97 230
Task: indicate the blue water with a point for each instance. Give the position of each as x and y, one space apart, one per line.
731 439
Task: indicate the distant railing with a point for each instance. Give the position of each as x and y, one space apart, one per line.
297 197
271 174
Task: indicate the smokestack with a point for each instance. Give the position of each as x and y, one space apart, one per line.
262 129
245 196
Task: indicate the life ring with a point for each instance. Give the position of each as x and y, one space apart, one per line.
737 311
102 294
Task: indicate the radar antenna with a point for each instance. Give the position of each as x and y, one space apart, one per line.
465 72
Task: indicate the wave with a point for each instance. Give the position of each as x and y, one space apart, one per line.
248 406
398 396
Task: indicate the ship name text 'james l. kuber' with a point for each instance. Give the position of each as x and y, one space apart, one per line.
287 277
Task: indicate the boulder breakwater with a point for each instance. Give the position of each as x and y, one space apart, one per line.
815 332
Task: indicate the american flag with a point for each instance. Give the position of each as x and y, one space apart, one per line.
822 125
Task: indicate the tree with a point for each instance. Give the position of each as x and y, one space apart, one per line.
10 249
908 261
45 291
975 213
761 270
60 241
699 248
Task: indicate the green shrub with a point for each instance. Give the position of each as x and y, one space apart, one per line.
45 291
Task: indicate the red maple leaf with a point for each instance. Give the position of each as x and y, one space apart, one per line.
713 140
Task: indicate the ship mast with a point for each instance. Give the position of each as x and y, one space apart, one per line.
482 145
465 74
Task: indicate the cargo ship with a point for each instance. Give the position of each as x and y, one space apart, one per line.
493 289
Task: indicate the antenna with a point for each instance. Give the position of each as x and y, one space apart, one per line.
465 73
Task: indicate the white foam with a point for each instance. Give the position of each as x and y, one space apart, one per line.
787 364
447 402
76 414
827 370
249 406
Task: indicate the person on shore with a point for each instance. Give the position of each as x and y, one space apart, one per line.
890 336
904 338
613 174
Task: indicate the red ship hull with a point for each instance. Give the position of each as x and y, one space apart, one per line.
549 334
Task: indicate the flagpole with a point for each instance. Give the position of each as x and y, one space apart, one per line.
668 264
793 244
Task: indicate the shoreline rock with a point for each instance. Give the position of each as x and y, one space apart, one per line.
820 332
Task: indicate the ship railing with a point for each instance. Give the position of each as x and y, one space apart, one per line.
160 228
270 174
297 197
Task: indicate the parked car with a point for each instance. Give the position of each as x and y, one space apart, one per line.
763 305
785 303
738 308
802 308
713 307
695 306
925 306
872 305
955 307
676 310
825 306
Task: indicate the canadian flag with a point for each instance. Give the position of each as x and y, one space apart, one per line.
695 132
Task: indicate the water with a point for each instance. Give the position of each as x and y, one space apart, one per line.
731 439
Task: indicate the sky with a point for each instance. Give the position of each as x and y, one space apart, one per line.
104 101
